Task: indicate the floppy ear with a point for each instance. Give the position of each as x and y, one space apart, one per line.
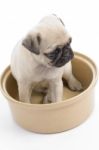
32 44
59 19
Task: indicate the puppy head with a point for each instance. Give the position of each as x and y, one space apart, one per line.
50 42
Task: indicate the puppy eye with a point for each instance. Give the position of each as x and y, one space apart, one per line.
57 51
68 45
50 55
70 40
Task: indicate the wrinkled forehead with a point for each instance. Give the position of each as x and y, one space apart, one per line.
57 40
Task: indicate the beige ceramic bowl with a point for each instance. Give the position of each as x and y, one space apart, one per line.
55 117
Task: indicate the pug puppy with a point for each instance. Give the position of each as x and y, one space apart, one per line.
44 55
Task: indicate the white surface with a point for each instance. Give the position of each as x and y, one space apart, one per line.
81 18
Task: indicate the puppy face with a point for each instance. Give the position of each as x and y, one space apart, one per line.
50 42
60 56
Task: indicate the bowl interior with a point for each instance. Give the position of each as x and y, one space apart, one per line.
81 70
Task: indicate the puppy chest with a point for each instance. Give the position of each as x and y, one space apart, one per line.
42 73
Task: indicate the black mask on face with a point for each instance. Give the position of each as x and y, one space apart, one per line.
60 56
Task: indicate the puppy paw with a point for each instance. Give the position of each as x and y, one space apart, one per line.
46 100
75 85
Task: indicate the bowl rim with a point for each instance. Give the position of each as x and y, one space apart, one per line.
66 102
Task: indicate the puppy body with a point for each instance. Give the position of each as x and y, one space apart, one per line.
30 66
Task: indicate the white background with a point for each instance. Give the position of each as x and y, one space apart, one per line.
81 18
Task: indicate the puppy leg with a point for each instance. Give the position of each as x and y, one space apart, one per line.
25 91
55 91
47 98
73 83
